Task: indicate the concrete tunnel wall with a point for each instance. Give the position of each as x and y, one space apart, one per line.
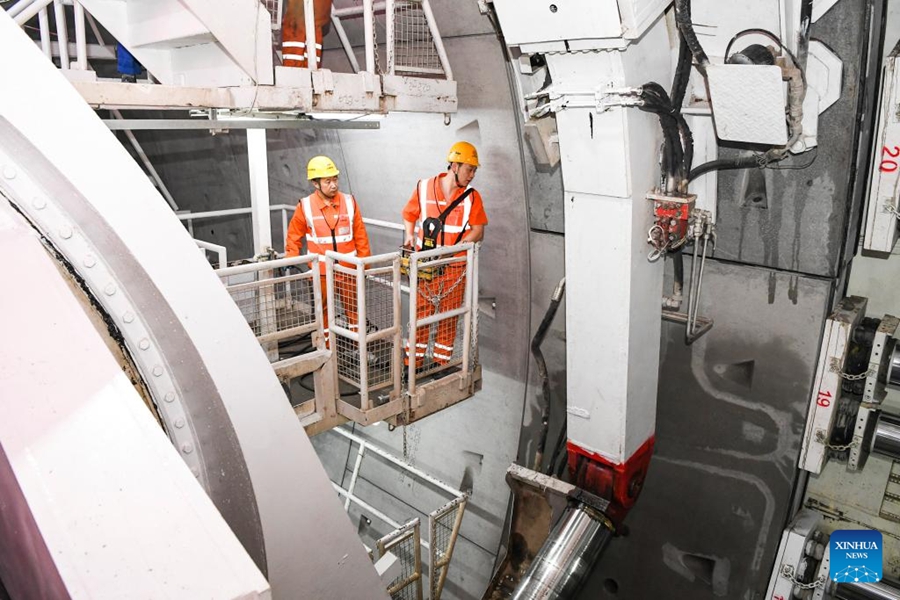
469 445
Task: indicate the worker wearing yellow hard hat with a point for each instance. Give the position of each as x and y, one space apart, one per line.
329 220
444 210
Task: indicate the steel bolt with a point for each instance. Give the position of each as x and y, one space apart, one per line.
110 289
170 397
39 203
196 472
144 344
9 171
553 8
128 317
187 448
157 371
89 261
65 233
179 422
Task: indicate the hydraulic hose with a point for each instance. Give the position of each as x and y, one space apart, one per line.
536 343
724 164
686 27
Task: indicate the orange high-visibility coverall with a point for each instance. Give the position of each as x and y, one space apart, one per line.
293 31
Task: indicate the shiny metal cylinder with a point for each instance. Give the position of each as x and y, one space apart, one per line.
887 436
567 557
866 591
893 376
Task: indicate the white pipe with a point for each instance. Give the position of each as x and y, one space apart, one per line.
355 476
18 7
270 265
29 11
62 34
384 224
406 467
145 161
369 27
96 30
44 23
389 34
258 159
80 38
220 251
345 41
438 42
309 16
356 11
211 214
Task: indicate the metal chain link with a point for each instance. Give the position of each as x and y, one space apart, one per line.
405 423
891 209
852 444
437 298
375 42
787 572
836 368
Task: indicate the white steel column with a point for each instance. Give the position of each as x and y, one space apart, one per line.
613 292
259 191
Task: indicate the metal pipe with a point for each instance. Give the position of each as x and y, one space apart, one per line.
62 33
147 164
312 58
369 27
345 41
887 436
438 42
866 591
80 38
389 34
355 11
269 265
567 557
30 10
18 7
893 378
44 25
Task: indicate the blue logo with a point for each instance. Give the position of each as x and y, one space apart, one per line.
855 556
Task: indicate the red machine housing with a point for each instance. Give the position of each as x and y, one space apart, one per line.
621 484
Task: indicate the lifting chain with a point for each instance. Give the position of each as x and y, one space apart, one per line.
836 368
787 571
437 298
891 209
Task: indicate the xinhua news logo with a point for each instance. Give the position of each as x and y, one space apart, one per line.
855 556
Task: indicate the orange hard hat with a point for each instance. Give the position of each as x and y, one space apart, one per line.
463 152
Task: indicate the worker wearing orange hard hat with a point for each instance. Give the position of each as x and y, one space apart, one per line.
329 220
444 210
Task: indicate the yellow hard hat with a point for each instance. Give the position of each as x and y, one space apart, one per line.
319 167
463 152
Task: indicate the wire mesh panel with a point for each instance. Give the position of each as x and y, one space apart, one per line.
442 311
444 524
275 8
276 305
364 299
414 48
405 544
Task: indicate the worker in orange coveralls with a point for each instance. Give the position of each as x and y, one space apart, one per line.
294 51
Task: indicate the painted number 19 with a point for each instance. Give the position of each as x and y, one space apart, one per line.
824 399
887 154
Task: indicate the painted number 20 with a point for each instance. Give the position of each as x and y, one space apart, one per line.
888 165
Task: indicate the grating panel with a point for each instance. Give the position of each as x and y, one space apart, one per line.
405 544
414 49
439 290
276 307
275 8
444 524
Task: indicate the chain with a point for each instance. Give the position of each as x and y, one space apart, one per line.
375 42
891 209
475 308
405 423
836 368
852 444
437 298
787 572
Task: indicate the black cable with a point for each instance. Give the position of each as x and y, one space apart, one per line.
724 164
772 37
536 343
682 75
686 27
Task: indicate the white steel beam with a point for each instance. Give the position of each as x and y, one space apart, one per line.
259 190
